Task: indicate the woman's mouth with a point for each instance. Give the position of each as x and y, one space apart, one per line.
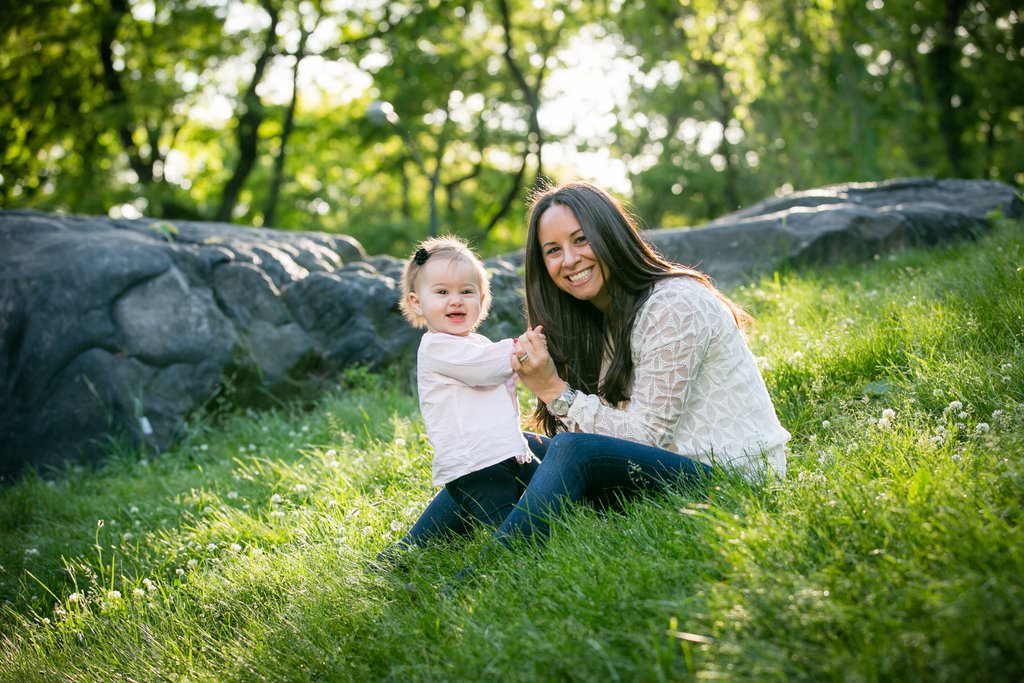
579 277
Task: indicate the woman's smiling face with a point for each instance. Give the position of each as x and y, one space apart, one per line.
568 258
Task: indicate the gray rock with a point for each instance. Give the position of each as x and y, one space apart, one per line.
115 330
837 224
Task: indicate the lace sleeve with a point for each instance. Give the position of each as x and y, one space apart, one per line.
670 339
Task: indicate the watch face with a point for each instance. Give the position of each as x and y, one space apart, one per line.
560 406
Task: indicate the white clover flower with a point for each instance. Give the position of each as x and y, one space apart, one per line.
1005 367
275 499
255 552
241 449
60 611
981 427
300 488
889 414
396 525
149 584
400 442
367 530
812 438
113 595
797 355
961 425
305 428
134 509
996 414
179 571
192 564
75 597
962 415
138 592
277 514
955 405
826 424
252 447
127 536
883 423
331 453
211 546
30 552
46 621
203 447
235 548
232 495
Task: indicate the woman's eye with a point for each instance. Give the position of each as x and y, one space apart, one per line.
551 251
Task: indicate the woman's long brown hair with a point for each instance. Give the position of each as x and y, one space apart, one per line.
578 334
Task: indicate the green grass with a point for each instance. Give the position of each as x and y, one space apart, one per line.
892 551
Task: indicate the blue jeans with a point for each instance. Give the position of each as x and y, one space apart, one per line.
575 467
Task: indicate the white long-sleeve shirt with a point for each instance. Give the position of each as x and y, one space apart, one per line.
696 388
468 403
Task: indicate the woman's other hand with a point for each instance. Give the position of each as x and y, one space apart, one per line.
533 364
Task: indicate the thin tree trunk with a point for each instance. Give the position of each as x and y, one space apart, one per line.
247 133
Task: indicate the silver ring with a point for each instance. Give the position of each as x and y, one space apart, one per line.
523 358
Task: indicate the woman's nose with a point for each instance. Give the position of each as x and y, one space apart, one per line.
570 257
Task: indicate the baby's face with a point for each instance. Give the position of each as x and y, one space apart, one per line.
448 295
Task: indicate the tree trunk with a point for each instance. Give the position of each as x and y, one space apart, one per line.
247 133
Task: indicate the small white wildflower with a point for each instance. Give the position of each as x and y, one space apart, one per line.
113 595
937 440
797 355
265 429
812 438
138 592
396 525
367 530
179 571
962 415
277 514
241 449
232 495
203 447
961 425
60 611
235 548
31 551
826 424
300 488
193 563
305 428
889 414
46 621
955 457
955 405
331 453
134 509
981 427
149 584
75 597
255 552
996 414
211 546
128 536
275 499
1005 367
252 447
400 442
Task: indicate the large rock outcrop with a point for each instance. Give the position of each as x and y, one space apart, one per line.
117 330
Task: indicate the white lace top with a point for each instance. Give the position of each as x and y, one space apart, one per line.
696 388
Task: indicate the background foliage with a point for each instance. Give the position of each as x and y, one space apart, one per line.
255 111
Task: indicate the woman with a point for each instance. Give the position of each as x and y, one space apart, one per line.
641 371
640 367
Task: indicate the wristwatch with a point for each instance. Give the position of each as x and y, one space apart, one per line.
560 406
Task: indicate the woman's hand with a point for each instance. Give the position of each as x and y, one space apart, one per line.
533 364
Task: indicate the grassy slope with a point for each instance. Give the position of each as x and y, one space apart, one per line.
893 551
